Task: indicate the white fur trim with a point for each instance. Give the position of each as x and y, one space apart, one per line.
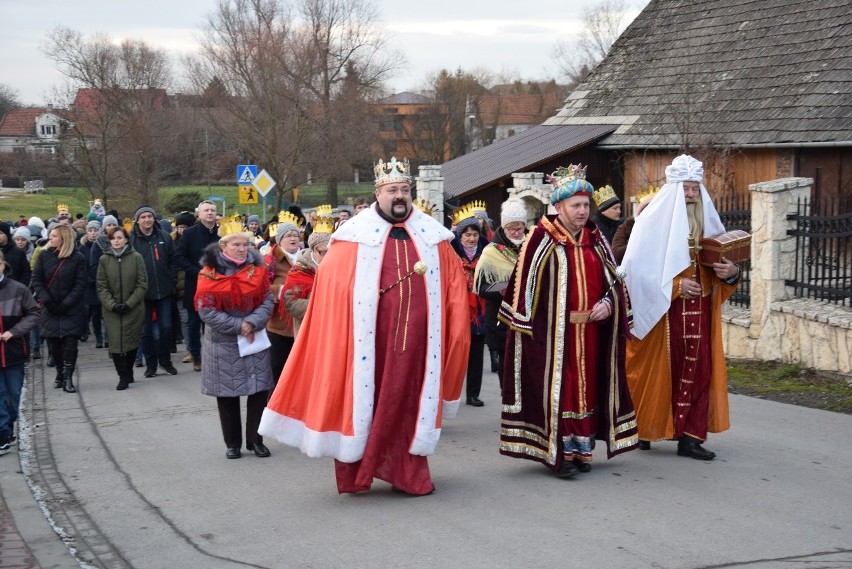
313 443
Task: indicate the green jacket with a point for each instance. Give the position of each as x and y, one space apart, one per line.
122 280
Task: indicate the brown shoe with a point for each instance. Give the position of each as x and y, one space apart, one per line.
196 364
187 358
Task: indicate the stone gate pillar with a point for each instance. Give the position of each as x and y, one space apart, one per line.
430 186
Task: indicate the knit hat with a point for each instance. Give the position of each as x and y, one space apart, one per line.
185 218
511 211
94 224
6 228
253 218
284 227
110 220
22 233
143 209
91 216
36 226
468 222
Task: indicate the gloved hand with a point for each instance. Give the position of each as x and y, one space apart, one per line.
121 308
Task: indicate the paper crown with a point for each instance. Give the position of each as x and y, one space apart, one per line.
424 205
645 195
61 207
284 217
231 227
466 212
324 225
605 198
569 182
127 224
392 172
324 210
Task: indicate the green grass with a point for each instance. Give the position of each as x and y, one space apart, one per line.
790 384
13 203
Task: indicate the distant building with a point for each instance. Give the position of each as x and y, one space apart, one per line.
412 126
31 129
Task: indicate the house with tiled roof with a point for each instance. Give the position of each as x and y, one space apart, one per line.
758 89
501 115
30 129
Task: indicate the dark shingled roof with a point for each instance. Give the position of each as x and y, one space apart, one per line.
518 153
756 72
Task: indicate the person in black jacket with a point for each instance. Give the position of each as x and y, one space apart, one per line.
190 248
59 283
20 313
16 259
608 216
158 252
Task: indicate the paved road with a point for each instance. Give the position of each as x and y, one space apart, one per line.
139 479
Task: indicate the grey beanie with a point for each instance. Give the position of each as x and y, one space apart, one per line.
468 222
143 209
110 220
253 218
22 233
283 228
94 224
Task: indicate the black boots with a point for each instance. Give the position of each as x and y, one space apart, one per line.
68 385
60 378
691 447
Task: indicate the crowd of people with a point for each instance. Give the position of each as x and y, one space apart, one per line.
352 336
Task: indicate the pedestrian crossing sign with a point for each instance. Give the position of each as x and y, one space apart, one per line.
248 195
246 173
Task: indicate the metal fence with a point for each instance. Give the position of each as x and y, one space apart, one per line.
735 212
823 267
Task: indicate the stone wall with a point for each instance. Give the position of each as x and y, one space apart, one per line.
779 326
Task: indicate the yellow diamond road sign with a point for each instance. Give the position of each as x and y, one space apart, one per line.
248 195
263 182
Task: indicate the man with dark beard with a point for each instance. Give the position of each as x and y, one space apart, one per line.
382 351
675 362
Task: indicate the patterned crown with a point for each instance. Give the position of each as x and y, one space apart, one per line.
425 206
324 225
234 225
645 195
392 172
605 197
569 182
324 210
62 206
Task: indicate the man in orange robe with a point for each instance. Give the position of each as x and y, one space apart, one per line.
675 362
381 355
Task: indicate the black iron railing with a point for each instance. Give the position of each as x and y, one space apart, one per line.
823 265
735 212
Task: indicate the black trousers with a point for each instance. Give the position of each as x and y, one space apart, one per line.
64 352
229 416
279 351
124 365
474 365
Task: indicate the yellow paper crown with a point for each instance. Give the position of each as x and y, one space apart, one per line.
324 210
61 206
645 195
424 205
393 171
603 195
128 224
284 216
324 225
235 225
464 212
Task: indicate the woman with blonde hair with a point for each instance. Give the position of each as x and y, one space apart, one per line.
59 284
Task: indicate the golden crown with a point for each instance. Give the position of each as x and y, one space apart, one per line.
424 205
284 217
603 195
324 210
465 211
127 224
645 195
392 171
61 206
234 225
324 225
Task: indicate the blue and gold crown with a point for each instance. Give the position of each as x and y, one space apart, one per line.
392 172
569 182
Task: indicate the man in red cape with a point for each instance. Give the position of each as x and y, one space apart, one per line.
564 383
382 352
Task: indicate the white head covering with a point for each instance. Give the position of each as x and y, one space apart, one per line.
658 249
511 211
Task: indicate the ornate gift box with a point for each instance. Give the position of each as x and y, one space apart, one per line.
734 245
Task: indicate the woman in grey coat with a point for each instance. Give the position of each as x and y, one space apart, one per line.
233 299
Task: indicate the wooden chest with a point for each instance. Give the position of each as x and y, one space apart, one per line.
734 245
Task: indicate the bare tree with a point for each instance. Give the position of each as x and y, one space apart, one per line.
601 26
291 78
8 99
114 94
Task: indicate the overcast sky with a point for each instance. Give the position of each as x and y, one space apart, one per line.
509 36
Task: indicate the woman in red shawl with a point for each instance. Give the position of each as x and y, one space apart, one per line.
300 279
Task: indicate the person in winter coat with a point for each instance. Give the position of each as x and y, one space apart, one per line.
59 283
233 300
122 282
93 305
300 280
24 241
16 260
100 247
19 313
469 245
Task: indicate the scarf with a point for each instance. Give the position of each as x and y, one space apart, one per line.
242 291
